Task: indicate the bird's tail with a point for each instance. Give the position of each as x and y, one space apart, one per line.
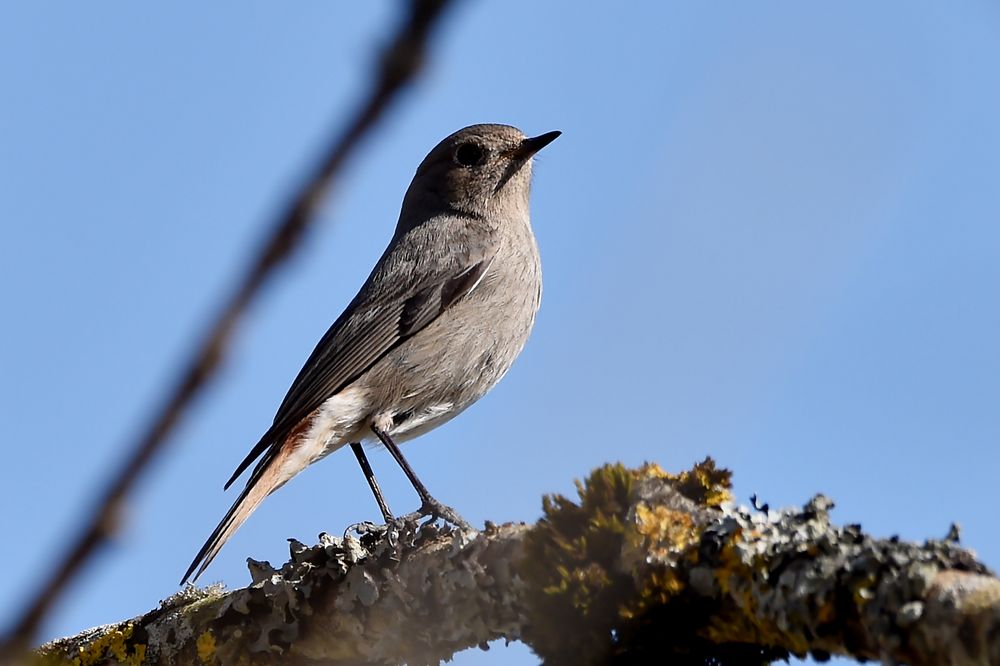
267 478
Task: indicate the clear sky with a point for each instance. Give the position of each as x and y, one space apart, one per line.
770 233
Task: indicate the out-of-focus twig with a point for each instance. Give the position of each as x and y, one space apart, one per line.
400 63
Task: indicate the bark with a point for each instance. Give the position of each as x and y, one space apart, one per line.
644 566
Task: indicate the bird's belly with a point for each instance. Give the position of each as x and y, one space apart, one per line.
414 424
421 385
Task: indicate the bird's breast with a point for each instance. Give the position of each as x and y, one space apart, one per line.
465 351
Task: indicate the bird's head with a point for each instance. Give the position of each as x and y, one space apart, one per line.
477 171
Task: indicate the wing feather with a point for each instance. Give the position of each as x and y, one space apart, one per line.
381 317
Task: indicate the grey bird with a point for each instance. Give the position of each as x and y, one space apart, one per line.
440 320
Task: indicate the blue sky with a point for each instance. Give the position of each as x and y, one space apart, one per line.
769 233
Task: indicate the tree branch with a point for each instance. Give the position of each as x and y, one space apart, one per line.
645 564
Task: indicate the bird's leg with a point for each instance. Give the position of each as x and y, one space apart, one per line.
428 505
359 453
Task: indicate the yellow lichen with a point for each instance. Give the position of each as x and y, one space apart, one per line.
704 483
603 564
112 645
206 647
652 470
664 529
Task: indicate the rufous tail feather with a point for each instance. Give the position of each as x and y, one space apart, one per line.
262 483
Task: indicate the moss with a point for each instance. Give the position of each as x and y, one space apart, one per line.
602 571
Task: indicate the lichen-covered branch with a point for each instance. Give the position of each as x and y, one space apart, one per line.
644 565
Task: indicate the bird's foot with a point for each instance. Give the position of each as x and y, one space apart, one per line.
362 528
435 509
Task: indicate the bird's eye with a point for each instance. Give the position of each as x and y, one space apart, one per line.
470 155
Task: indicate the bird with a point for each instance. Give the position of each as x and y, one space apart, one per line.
440 320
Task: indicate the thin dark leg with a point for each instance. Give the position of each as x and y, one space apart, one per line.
359 453
428 505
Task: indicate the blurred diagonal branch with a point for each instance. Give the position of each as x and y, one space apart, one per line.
647 567
400 62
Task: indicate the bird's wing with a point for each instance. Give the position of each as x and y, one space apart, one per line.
384 314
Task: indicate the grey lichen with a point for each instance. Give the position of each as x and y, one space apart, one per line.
403 592
383 609
653 564
647 565
792 578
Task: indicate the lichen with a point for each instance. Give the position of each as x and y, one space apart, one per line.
704 484
206 647
114 645
644 566
607 565
792 578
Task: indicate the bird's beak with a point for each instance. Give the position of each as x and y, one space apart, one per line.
520 155
532 145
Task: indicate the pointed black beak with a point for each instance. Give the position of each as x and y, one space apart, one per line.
531 146
520 155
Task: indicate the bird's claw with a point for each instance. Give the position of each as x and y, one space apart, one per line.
364 527
433 509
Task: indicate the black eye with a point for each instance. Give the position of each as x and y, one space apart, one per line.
470 155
